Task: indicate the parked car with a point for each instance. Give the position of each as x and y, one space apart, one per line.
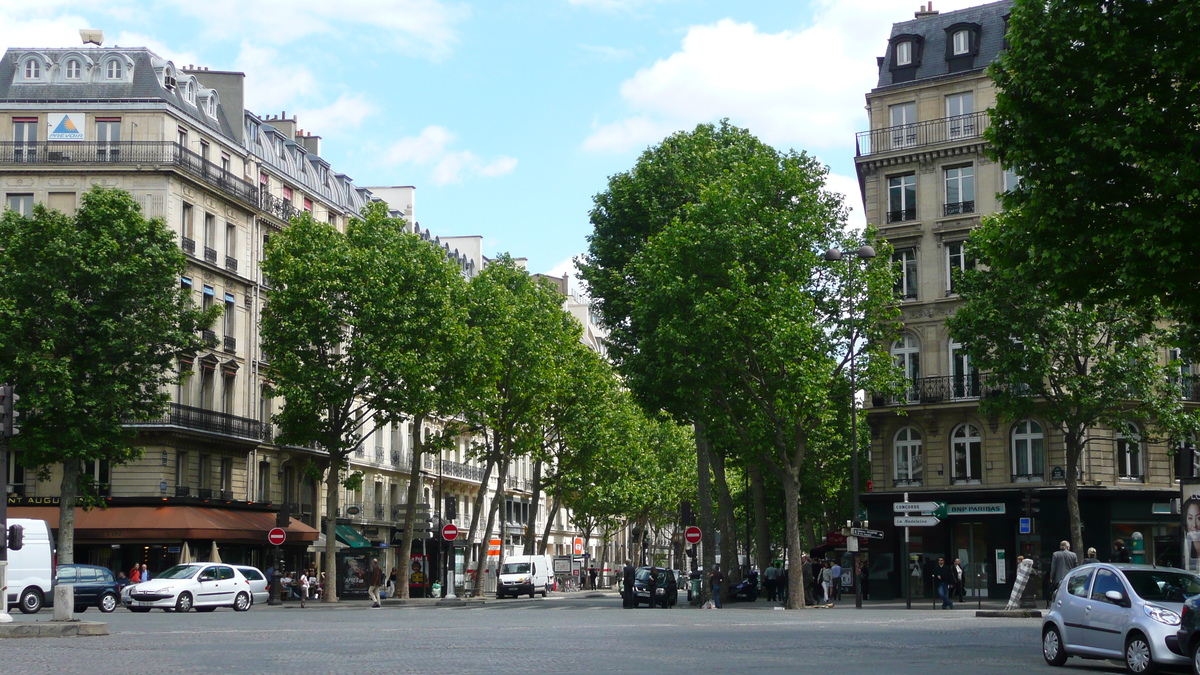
525 574
31 568
1188 634
666 591
205 586
1121 611
259 586
94 587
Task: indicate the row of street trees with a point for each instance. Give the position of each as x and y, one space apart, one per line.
707 266
366 326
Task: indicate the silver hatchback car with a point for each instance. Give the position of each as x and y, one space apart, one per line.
1119 611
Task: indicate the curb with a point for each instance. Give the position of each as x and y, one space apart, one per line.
1010 613
45 629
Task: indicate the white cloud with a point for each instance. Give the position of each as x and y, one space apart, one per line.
575 283
431 147
801 88
272 82
348 112
847 186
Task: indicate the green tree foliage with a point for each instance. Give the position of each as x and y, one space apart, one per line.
364 328
1096 111
1070 365
92 320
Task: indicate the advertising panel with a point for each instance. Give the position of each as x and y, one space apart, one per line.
1189 512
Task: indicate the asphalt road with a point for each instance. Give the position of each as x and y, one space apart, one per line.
557 635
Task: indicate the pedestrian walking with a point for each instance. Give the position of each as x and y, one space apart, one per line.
716 579
771 582
304 589
376 581
1061 562
592 574
827 581
944 577
652 586
1090 557
391 583
135 574
1120 553
960 580
837 580
627 574
806 570
145 572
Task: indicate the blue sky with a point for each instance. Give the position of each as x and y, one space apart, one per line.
509 116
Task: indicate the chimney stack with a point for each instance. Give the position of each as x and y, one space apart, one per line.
926 11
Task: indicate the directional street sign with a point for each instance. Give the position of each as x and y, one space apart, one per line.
915 521
936 508
866 534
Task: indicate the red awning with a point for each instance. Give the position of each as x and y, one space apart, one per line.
168 523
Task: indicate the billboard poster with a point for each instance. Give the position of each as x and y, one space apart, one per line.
1189 512
65 127
416 575
354 567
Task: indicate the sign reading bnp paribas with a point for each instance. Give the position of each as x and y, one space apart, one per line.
65 127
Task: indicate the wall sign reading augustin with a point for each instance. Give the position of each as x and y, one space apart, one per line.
65 127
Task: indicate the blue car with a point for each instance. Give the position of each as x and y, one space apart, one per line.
94 587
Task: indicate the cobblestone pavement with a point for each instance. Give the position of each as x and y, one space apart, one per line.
563 634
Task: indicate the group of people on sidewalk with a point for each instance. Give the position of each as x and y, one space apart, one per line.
951 582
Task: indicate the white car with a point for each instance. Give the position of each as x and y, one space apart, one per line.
259 585
205 586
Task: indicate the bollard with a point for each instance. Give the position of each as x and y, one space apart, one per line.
64 602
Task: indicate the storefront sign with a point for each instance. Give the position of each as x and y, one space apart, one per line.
65 127
975 509
33 501
1001 567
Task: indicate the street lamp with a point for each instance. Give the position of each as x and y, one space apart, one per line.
833 255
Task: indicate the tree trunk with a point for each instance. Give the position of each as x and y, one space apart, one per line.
410 508
66 511
762 528
704 499
332 483
729 528
791 496
531 523
487 530
480 496
549 524
1074 449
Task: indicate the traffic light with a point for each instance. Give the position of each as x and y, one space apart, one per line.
16 537
8 415
1030 504
451 510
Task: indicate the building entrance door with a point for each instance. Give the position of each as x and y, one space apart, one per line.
970 547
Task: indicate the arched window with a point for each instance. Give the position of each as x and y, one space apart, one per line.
189 92
33 69
114 71
1028 445
74 71
966 450
909 463
1129 454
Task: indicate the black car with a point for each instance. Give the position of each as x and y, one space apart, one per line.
1188 637
666 594
94 586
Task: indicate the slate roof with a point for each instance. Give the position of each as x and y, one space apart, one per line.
143 86
933 28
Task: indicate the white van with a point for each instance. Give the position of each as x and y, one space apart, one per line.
31 570
525 574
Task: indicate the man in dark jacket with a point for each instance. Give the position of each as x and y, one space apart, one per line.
1120 553
944 577
627 573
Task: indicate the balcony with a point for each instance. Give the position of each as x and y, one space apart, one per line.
231 264
906 482
204 493
230 344
922 134
209 336
380 512
227 495
210 255
277 207
902 215
1029 477
137 153
199 419
458 470
183 491
189 245
379 454
958 208
927 390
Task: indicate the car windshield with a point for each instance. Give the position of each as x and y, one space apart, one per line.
1163 586
179 572
515 568
643 574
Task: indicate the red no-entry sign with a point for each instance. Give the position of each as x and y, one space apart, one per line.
449 532
693 535
277 536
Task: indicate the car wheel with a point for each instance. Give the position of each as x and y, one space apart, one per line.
140 610
1138 657
108 603
184 602
80 609
31 601
1053 649
242 602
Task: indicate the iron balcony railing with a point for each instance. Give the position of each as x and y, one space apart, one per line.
129 152
278 207
199 419
959 208
902 215
231 263
926 390
459 470
921 134
230 343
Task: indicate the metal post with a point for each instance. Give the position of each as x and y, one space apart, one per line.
907 575
4 617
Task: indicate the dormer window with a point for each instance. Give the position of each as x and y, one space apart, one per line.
962 42
904 54
212 106
189 92
33 69
74 71
114 71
